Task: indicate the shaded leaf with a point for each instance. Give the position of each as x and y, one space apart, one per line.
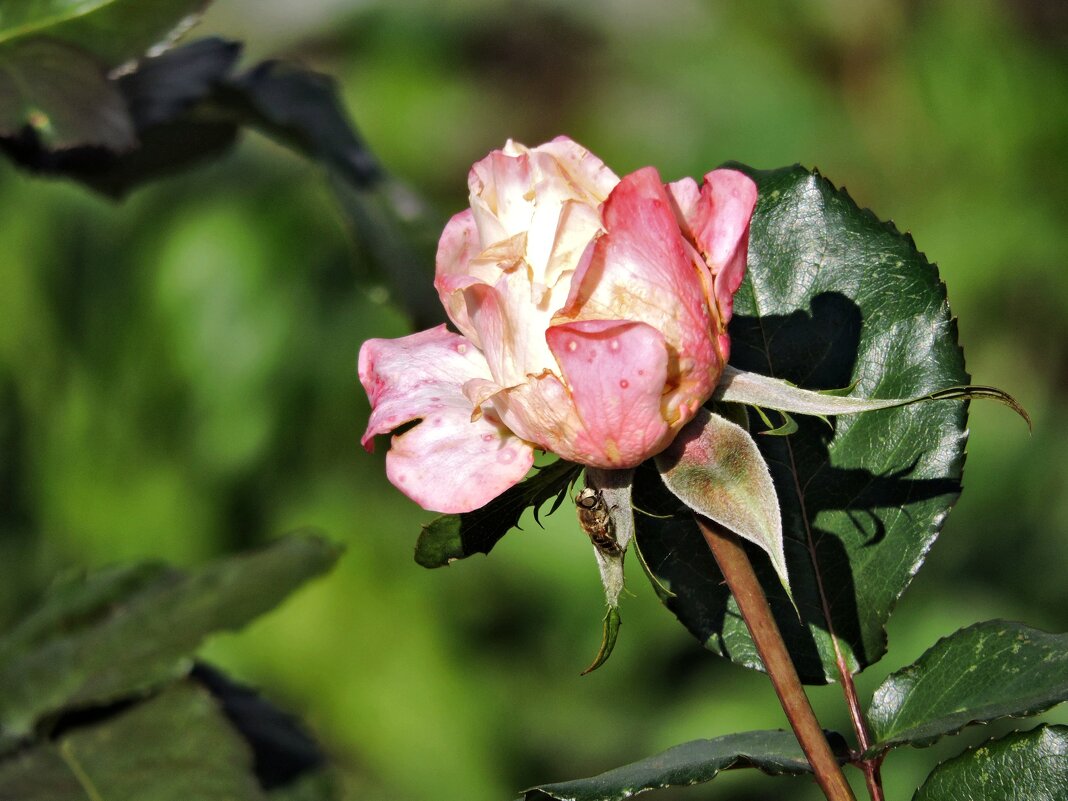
194 88
111 30
1022 766
451 537
981 673
54 60
168 86
122 631
60 94
773 752
282 751
167 99
173 747
713 466
832 296
302 108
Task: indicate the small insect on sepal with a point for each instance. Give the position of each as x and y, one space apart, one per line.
596 520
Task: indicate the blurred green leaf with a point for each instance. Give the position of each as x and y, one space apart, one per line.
773 752
193 89
111 30
161 101
61 93
1022 766
832 297
283 753
320 786
121 631
54 59
301 108
176 746
987 671
450 537
186 106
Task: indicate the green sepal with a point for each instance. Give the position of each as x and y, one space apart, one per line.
760 391
715 468
609 635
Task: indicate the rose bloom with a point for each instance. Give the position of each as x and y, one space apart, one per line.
592 315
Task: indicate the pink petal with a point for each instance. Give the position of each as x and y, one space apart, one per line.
686 194
511 325
459 244
643 270
447 462
501 199
586 172
720 227
616 372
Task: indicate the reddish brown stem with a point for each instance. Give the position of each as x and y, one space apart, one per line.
870 766
738 571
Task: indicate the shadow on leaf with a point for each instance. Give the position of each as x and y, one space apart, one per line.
836 516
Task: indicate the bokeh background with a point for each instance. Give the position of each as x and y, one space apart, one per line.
177 372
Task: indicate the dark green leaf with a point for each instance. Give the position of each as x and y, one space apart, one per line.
773 752
111 30
987 671
1022 766
832 297
61 94
174 747
122 631
452 537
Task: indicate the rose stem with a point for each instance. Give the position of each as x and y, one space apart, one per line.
738 571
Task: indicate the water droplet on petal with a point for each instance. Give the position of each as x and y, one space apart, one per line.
461 348
487 437
623 383
504 457
614 345
572 346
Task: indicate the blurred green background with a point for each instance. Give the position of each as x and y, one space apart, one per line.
177 372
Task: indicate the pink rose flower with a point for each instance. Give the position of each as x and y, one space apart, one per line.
592 315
